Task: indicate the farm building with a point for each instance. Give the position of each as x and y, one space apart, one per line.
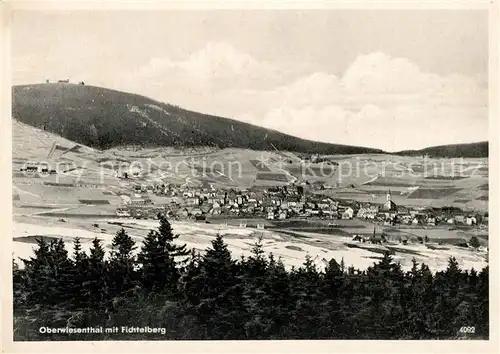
122 213
94 201
139 201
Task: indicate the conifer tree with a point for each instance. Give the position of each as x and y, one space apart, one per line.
63 267
95 287
257 323
78 255
160 270
213 292
278 297
482 308
306 290
332 286
47 272
17 283
78 275
122 264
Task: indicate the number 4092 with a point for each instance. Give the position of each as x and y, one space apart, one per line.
469 330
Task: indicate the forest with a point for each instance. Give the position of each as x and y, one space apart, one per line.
213 296
103 118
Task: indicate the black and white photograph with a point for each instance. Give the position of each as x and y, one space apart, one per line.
239 174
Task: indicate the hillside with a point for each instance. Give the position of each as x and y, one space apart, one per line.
104 118
479 149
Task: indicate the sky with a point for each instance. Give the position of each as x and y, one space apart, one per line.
389 79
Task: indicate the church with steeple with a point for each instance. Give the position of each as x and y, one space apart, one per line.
389 205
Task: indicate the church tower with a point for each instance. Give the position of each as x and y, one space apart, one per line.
389 204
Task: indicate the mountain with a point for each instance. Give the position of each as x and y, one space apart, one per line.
104 118
479 149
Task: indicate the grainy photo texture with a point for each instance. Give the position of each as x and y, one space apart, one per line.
250 174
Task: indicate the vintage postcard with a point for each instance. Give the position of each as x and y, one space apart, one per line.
277 173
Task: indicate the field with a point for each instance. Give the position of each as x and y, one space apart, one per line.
270 176
260 166
291 247
312 171
88 189
432 193
362 177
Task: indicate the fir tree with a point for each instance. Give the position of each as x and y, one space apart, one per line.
78 255
277 302
47 278
160 271
94 286
78 275
257 323
122 273
213 292
332 286
306 293
482 307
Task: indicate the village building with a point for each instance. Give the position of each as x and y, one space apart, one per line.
196 211
389 205
329 213
182 213
358 238
205 208
201 217
368 212
284 205
216 210
405 218
193 201
377 239
348 213
460 218
471 220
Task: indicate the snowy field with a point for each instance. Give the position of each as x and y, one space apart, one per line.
292 250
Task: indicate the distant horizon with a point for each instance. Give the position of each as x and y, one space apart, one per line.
393 80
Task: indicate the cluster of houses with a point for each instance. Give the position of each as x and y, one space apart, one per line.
391 214
281 203
275 203
35 169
